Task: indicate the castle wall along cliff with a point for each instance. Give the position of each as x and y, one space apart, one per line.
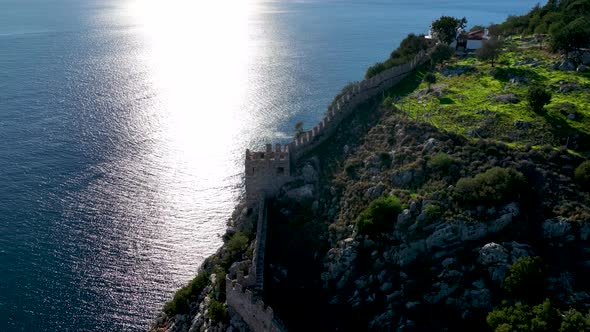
267 171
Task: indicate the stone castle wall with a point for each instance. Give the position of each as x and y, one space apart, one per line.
250 307
244 301
349 100
267 171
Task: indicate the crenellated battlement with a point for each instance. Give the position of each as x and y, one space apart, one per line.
279 153
251 308
267 171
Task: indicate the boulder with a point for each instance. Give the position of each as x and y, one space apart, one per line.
444 236
473 231
567 65
375 191
581 68
518 250
510 98
402 178
404 219
493 254
558 227
569 86
309 174
301 194
430 143
518 80
509 211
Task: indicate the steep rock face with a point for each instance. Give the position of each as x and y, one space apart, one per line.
443 262
442 258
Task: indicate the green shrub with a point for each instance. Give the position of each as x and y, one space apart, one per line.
496 185
380 216
574 321
441 53
539 318
537 97
218 311
375 69
237 243
441 161
433 211
408 48
490 50
180 303
582 175
524 318
429 79
234 248
525 277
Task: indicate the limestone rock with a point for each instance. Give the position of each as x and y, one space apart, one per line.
473 231
403 178
430 143
509 211
309 174
493 253
375 192
510 98
442 237
404 219
569 86
566 65
558 227
301 194
495 257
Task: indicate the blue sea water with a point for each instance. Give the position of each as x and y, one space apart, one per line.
123 125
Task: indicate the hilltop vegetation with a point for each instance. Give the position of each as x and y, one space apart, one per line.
474 99
455 202
458 200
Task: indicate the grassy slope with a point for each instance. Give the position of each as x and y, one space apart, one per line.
466 102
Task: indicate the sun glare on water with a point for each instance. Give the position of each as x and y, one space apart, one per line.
198 54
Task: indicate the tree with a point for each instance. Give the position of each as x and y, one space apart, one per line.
446 27
525 278
379 216
410 46
582 175
490 50
430 79
571 37
299 130
537 97
441 53
524 318
476 28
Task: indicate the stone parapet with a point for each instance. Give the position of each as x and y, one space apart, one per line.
266 171
258 316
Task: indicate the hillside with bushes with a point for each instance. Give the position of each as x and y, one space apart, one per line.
458 200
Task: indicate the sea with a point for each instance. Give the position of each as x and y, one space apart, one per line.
124 125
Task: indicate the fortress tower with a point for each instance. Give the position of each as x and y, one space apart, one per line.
266 172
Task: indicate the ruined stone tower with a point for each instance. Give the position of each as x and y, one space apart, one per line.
266 172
